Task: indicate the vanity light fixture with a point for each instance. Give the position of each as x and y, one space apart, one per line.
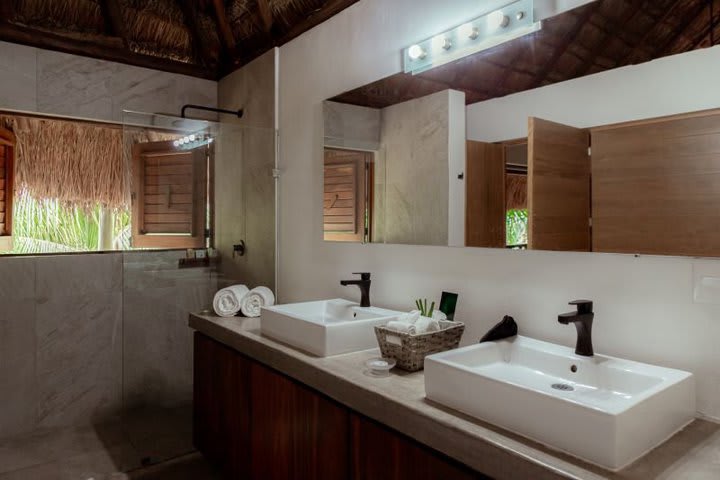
468 30
416 52
514 20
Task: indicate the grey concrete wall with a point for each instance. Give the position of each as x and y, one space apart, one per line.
415 153
244 185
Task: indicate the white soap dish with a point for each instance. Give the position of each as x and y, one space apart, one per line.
379 366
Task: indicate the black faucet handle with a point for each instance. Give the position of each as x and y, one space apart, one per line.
583 306
363 275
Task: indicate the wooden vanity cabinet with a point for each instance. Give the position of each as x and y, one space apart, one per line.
255 423
380 453
296 432
221 406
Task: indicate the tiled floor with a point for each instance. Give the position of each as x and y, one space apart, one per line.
111 451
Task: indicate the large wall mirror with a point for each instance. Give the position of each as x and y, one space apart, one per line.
529 143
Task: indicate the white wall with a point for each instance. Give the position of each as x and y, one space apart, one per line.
644 308
670 85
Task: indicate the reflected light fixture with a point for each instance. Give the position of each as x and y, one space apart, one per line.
514 20
193 140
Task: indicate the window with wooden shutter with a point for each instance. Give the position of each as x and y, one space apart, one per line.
345 195
169 201
7 157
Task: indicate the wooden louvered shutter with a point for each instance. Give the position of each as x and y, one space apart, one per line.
7 169
169 196
344 202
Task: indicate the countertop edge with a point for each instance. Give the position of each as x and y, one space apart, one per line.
479 453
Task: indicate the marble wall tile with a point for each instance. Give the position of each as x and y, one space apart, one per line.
65 275
18 387
158 297
18 65
79 358
145 90
73 85
59 83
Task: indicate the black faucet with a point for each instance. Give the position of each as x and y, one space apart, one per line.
364 284
583 320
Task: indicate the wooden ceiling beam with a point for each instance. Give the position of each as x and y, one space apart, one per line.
114 20
707 34
632 53
567 40
226 35
203 54
7 10
679 31
600 47
97 48
328 10
266 15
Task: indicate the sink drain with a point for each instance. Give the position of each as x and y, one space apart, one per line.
563 386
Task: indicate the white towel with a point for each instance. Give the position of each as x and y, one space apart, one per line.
227 301
403 327
411 317
251 305
426 324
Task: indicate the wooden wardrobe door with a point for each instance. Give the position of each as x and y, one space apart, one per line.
485 195
558 187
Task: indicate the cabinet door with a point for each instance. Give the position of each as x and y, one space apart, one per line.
485 195
221 408
379 453
296 432
558 187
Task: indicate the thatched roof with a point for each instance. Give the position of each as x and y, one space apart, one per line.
206 38
80 164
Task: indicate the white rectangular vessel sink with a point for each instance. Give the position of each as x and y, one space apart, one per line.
326 327
604 410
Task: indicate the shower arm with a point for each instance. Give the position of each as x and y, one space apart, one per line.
238 113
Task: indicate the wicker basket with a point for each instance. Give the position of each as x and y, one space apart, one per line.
409 351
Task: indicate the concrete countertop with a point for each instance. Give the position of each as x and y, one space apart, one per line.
399 402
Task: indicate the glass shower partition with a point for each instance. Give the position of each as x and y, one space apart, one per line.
159 293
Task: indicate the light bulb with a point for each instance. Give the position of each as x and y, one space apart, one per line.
192 137
470 31
415 52
498 19
176 143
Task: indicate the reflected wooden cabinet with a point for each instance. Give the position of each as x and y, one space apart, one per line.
255 423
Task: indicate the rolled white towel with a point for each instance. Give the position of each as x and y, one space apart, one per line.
426 324
402 327
226 302
439 316
251 305
411 317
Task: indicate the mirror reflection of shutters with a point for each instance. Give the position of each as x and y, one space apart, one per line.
170 196
7 149
341 196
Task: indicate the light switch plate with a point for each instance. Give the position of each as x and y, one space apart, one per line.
706 282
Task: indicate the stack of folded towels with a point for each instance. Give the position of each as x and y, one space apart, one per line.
232 300
415 324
